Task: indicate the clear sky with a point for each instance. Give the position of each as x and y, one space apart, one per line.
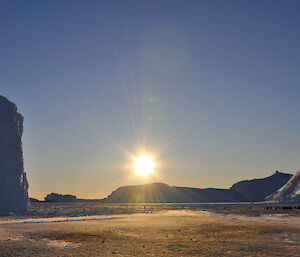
210 89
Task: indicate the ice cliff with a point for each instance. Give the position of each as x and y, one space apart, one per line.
13 182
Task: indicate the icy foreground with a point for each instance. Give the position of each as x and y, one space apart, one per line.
165 233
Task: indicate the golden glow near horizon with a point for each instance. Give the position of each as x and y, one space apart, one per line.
144 165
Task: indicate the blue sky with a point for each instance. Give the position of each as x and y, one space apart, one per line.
220 80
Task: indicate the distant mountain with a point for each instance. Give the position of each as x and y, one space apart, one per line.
289 193
156 192
256 190
163 193
249 190
209 195
33 200
54 197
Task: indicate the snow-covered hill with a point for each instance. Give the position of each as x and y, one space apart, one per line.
289 193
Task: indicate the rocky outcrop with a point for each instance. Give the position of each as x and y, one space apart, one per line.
257 190
13 182
54 197
289 193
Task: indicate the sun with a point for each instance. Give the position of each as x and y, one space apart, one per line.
143 165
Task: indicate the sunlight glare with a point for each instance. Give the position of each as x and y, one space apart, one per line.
144 165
